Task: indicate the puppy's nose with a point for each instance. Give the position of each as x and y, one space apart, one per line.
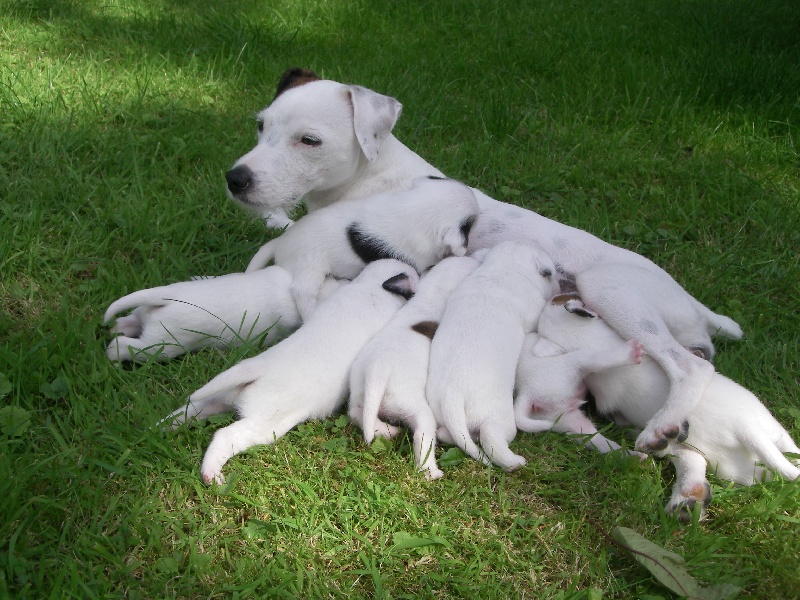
239 179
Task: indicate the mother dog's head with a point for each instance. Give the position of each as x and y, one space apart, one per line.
314 136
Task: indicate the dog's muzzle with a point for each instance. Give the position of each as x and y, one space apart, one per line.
239 179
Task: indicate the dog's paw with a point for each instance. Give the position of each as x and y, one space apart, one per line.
211 477
683 502
433 474
515 464
637 351
653 440
385 430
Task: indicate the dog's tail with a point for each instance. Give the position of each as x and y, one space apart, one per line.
720 325
148 296
262 258
229 384
374 387
455 421
526 423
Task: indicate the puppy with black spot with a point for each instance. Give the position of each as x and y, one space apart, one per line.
731 433
306 375
419 226
477 345
217 312
388 377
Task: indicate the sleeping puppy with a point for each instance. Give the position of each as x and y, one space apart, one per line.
730 431
217 312
419 226
475 351
304 376
389 375
550 387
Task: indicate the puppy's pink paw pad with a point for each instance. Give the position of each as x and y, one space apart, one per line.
637 351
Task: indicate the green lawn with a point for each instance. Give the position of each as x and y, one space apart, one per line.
669 128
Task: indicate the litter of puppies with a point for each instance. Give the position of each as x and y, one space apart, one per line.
487 346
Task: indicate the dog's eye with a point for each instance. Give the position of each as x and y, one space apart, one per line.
546 272
310 140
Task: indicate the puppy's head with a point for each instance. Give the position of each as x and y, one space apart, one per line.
314 137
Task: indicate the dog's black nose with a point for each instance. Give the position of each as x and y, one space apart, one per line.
239 179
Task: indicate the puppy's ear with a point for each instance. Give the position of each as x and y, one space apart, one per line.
576 307
294 77
401 284
374 116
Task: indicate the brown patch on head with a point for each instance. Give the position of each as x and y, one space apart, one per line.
562 299
426 328
294 77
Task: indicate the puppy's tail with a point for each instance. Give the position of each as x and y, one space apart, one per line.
229 384
455 421
262 258
374 386
148 296
724 326
526 423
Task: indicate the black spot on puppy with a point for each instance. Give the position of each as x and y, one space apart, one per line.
437 177
370 248
426 328
466 227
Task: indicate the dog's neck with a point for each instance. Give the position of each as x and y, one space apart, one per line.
393 169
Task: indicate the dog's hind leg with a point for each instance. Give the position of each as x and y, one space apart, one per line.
306 288
423 423
634 315
691 486
238 437
494 441
771 454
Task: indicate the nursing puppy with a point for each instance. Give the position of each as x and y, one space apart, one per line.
389 375
304 376
419 226
217 312
476 347
550 388
731 433
321 141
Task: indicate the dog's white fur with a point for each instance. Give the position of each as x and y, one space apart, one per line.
388 377
304 376
474 353
218 312
420 226
550 387
354 155
730 431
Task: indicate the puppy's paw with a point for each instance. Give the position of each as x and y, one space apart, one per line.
515 464
654 439
129 326
212 477
385 430
433 474
682 503
637 351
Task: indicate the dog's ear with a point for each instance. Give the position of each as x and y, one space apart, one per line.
294 77
374 116
576 307
401 284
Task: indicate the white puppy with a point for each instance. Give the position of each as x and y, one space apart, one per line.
550 386
218 312
322 141
304 376
419 226
730 431
475 351
389 375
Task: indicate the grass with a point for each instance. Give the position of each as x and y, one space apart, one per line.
668 128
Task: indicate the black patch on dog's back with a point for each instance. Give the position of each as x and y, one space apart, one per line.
426 328
369 248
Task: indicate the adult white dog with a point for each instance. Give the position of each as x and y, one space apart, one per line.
322 141
730 431
473 356
306 375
